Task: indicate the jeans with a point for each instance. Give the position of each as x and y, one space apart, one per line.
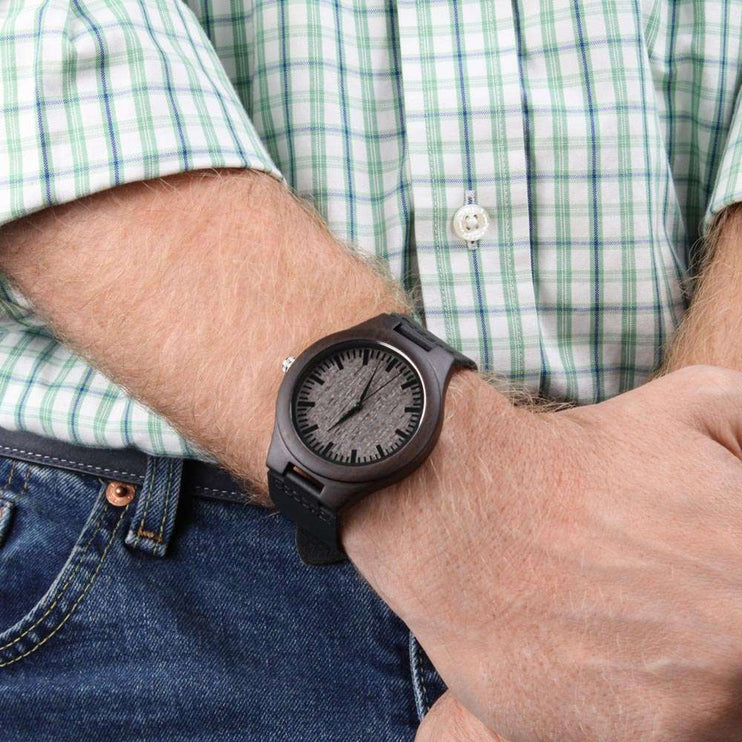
186 615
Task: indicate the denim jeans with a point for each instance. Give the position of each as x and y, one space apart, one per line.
186 615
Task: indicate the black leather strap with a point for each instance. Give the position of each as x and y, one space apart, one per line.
315 552
425 339
316 525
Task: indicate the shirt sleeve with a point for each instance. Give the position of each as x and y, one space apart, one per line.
97 93
728 184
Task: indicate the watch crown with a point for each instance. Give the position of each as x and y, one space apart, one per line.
287 363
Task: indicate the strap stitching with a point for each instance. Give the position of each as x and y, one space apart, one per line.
214 489
302 499
88 467
91 467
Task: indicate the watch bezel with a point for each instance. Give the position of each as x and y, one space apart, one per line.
396 465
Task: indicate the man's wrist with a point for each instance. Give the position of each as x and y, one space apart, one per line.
398 534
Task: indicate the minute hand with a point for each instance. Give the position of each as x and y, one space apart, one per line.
368 384
379 388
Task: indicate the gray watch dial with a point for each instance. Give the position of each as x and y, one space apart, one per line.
358 404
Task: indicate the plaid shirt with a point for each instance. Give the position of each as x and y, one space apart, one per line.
598 138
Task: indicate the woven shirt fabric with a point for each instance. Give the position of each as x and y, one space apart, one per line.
601 137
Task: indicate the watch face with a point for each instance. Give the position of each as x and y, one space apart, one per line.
358 404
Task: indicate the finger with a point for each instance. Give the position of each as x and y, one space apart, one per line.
449 721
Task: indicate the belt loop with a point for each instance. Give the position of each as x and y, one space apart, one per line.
156 506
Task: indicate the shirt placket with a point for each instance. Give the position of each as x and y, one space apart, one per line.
469 176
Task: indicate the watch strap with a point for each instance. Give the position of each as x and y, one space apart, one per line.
316 525
427 340
315 552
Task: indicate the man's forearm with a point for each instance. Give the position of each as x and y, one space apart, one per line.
191 291
712 331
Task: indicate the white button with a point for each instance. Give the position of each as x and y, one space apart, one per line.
470 222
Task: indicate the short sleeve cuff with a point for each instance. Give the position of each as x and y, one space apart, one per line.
728 184
98 94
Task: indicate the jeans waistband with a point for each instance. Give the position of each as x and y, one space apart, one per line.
159 480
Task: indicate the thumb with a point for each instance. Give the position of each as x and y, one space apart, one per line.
449 721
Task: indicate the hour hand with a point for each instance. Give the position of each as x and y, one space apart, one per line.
359 403
349 413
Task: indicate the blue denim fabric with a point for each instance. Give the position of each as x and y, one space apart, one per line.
182 617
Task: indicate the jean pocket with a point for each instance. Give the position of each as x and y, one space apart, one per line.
57 529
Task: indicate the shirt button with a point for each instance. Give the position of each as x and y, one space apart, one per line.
470 222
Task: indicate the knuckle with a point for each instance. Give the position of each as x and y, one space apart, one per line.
708 379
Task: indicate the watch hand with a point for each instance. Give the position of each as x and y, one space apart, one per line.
359 402
368 384
379 388
349 413
364 396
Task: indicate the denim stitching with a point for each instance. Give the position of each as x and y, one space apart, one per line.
170 469
25 483
10 479
4 508
77 602
64 587
426 700
419 689
87 467
143 521
8 499
159 537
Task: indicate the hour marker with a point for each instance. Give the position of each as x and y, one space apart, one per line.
391 364
310 429
412 409
353 456
327 448
317 379
304 403
380 450
408 384
401 433
338 363
365 356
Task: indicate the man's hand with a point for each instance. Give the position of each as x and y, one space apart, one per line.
591 588
710 334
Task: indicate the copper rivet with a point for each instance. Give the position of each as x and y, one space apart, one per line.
119 493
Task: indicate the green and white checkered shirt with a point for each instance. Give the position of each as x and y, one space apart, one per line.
598 139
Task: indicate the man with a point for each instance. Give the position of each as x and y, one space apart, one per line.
571 575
